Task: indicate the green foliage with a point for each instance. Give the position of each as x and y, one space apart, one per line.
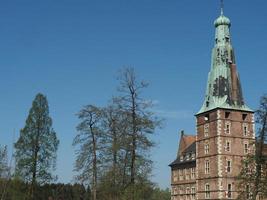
18 190
15 189
37 145
114 143
253 176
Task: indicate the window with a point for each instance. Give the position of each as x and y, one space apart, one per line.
181 174
207 148
227 127
193 173
244 117
181 191
175 175
228 146
187 174
227 115
207 117
206 130
187 193
248 192
229 166
193 193
246 148
229 191
207 191
174 190
245 129
207 167
181 158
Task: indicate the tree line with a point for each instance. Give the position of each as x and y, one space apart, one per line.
112 148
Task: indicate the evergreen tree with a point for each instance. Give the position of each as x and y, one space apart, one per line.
35 150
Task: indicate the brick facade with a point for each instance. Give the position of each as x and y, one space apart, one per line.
210 170
225 131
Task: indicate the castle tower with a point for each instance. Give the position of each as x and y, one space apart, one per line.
225 125
208 163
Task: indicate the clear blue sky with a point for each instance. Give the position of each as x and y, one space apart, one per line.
71 51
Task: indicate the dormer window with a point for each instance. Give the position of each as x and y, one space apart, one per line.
187 156
181 158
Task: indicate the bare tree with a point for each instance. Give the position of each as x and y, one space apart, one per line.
89 139
141 122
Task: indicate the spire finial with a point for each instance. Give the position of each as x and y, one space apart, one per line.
222 5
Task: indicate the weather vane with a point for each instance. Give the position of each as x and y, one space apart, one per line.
222 5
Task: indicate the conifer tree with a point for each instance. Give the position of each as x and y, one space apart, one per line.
35 150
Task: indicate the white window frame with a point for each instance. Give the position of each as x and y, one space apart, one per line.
193 193
206 130
207 191
207 166
228 148
187 193
187 174
181 174
229 167
245 129
193 173
206 148
227 128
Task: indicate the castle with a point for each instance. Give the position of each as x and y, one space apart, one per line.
208 163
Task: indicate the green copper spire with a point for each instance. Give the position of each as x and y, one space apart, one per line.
223 87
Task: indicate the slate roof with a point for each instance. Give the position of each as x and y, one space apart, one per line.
185 163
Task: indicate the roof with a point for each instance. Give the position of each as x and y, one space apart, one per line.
223 86
178 163
185 142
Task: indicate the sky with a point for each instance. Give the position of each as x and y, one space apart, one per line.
72 50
